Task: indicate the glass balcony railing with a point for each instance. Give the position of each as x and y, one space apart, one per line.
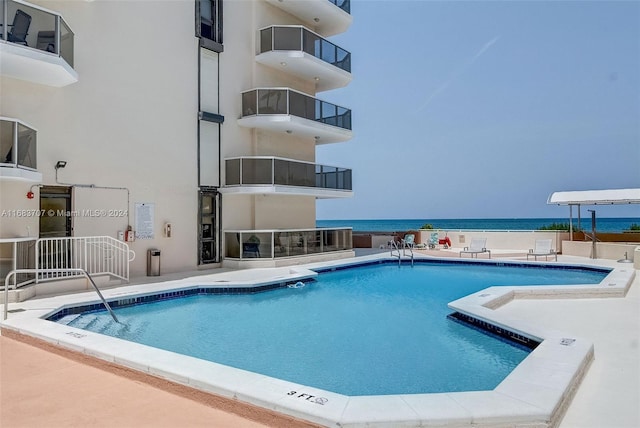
33 27
274 244
343 4
285 101
17 145
271 171
296 38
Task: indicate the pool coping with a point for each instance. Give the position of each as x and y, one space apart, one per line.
534 394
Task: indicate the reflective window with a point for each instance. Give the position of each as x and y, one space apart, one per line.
272 101
256 171
249 103
258 244
26 153
232 172
343 4
266 40
208 237
26 147
210 20
287 38
6 141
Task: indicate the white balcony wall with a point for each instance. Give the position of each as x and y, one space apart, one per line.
130 121
285 212
238 212
209 154
209 97
287 146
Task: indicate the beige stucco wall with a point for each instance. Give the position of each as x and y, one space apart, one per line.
19 216
499 240
285 212
130 121
604 250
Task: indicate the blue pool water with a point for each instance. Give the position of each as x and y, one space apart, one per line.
372 330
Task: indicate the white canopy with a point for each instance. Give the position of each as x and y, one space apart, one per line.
595 197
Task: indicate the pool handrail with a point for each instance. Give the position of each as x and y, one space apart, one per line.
84 272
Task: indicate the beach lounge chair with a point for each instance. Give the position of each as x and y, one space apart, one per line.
408 241
433 240
421 246
542 248
477 246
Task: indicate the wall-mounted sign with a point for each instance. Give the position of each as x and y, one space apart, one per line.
144 220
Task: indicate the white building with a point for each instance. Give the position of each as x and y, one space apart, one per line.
188 127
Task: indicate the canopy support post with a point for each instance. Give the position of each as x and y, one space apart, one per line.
570 222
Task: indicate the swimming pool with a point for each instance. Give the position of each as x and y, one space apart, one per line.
535 393
374 329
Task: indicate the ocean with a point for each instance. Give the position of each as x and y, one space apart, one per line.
394 225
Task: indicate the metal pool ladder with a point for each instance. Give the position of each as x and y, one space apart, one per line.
395 251
69 270
394 248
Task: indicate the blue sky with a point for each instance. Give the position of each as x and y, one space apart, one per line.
474 109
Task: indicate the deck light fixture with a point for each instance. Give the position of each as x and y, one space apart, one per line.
61 164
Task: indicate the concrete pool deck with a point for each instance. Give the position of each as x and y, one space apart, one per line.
609 392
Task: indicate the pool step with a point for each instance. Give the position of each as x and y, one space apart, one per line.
102 323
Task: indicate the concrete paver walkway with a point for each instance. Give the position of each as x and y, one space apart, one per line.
609 395
39 388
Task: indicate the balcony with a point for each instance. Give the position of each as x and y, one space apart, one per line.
261 175
304 54
327 17
36 45
18 151
292 112
278 244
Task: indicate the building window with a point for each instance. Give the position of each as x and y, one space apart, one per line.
209 230
209 24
